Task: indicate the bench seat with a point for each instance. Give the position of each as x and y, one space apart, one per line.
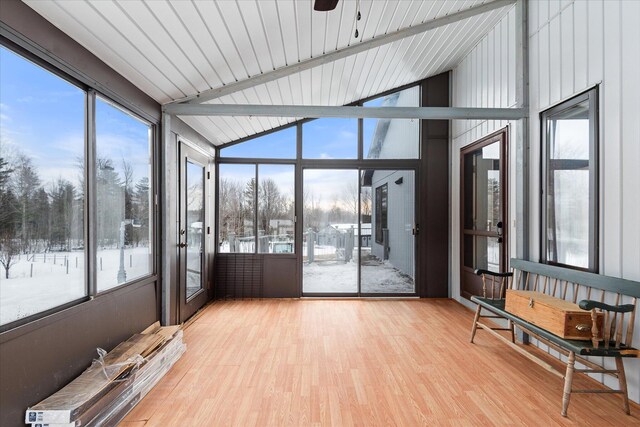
591 292
583 348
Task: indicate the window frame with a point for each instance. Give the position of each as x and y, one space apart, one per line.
153 206
91 90
592 96
256 163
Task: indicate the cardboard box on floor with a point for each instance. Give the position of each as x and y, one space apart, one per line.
103 382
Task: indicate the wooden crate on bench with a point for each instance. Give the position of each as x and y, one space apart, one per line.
611 324
560 317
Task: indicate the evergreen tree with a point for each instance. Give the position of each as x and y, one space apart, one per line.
42 218
127 185
110 200
25 183
5 174
62 207
141 211
9 217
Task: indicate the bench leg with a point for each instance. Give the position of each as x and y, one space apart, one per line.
513 331
474 328
622 379
568 380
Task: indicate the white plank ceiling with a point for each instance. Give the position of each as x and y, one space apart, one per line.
171 49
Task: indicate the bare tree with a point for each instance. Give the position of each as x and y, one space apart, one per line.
271 204
350 197
365 201
8 252
312 211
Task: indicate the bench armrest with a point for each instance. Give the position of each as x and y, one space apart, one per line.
480 272
587 304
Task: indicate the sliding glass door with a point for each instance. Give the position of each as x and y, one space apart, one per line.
358 232
330 230
387 227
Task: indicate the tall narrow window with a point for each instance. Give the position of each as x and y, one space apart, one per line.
570 183
381 212
276 225
237 198
42 255
123 193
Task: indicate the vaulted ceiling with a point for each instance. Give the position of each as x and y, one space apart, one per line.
178 48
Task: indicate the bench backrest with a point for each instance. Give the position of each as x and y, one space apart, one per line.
575 285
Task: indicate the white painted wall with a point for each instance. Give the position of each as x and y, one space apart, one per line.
484 78
573 46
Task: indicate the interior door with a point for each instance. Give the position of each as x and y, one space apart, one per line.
483 210
193 231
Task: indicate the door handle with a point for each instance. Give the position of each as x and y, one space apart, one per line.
182 245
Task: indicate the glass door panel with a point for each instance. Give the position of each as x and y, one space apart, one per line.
194 230
387 221
193 234
483 211
330 231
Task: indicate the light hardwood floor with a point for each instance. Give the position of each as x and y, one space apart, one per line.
358 362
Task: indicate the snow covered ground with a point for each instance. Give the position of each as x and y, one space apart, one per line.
52 284
341 277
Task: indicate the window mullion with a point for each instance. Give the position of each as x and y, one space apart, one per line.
255 212
90 194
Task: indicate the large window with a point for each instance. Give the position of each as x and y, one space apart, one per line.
392 138
274 217
46 195
276 208
236 201
42 247
570 186
123 177
330 139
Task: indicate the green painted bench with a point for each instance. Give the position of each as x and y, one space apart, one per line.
615 297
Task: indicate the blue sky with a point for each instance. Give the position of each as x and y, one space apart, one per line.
42 116
321 139
328 138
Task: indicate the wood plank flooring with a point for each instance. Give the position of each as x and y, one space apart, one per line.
358 362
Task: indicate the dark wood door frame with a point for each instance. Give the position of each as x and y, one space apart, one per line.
501 136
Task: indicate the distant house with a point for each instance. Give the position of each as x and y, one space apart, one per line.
282 226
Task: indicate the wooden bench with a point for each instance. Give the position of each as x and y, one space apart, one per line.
597 293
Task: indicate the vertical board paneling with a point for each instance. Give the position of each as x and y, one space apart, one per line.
580 43
555 60
573 45
595 41
543 65
611 147
483 78
630 126
511 40
566 51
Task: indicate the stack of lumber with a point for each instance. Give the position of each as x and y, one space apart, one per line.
105 393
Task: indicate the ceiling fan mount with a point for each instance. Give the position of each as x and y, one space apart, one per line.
325 5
